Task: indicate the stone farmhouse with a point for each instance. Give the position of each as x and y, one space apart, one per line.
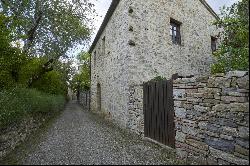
141 39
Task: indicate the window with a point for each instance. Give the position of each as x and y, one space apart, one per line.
213 43
103 45
94 58
175 31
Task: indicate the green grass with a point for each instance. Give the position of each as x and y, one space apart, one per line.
20 102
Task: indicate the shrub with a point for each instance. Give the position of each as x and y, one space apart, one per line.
19 102
233 52
158 78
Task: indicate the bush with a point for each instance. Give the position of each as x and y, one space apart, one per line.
19 102
233 51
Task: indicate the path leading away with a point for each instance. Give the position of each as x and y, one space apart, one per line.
80 137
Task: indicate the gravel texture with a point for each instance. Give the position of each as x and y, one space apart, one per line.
80 137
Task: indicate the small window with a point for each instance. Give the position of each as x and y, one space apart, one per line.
103 45
94 58
213 44
175 31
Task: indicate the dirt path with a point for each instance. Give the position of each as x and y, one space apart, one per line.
80 137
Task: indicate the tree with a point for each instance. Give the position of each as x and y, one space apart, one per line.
48 28
11 58
81 80
234 48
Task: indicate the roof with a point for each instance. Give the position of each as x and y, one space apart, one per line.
111 10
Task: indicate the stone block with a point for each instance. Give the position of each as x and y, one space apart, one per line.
197 144
220 107
239 107
202 79
206 104
226 137
201 109
208 96
236 74
203 125
193 113
188 106
190 123
211 134
214 128
191 91
223 122
222 162
180 136
202 85
215 82
180 112
244 132
181 153
189 130
194 100
220 144
230 99
237 94
241 156
212 161
179 104
230 131
241 150
243 143
179 93
227 157
212 101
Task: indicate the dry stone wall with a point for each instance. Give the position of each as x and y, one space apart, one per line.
13 135
212 118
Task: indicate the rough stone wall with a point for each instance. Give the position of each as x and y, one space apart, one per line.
15 134
212 118
135 113
153 51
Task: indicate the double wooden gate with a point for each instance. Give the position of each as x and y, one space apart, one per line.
158 108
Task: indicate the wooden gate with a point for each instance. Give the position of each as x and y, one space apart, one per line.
158 105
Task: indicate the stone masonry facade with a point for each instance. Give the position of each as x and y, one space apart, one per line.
211 117
135 46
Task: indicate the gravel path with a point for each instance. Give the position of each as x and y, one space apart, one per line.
79 137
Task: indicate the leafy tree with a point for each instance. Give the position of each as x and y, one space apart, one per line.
48 28
11 58
81 80
234 48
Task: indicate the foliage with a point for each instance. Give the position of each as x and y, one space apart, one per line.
158 78
52 83
234 48
18 102
81 80
49 27
11 58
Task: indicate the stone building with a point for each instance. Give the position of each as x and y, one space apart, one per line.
142 39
